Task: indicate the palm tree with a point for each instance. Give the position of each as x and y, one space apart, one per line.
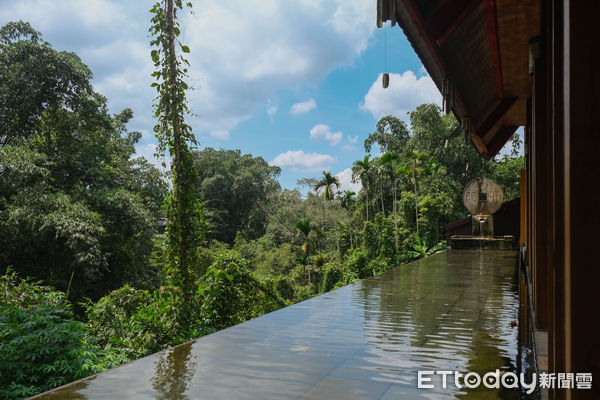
327 182
414 166
390 161
347 199
381 175
305 227
363 169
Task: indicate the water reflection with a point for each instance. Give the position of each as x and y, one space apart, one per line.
451 311
448 312
174 371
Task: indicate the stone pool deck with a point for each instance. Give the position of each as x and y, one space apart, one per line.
450 311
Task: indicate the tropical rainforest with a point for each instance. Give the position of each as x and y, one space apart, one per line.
92 280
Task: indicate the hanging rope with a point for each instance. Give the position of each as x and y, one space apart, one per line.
386 11
385 48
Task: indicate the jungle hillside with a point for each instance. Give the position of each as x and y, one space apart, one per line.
106 258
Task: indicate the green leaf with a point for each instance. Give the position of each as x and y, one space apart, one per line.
185 48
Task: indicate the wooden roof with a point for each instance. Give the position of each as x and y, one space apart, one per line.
476 51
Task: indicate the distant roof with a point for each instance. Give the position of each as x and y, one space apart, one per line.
476 52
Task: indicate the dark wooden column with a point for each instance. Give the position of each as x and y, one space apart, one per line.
581 74
542 194
529 189
556 339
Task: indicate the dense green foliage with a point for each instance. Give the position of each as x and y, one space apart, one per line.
41 344
421 174
73 202
184 209
79 213
231 294
236 190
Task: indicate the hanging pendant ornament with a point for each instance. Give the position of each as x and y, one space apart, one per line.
386 11
385 78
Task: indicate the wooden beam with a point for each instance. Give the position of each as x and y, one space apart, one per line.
416 17
449 16
500 139
492 27
499 111
479 145
459 109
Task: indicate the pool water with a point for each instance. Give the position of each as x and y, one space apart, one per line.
453 311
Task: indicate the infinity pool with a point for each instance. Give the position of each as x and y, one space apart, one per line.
451 311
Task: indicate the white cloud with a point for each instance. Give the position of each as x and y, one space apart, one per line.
237 63
403 95
109 37
352 139
271 111
148 151
237 66
323 132
303 106
345 178
298 161
220 134
347 147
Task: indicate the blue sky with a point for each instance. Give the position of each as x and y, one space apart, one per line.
297 83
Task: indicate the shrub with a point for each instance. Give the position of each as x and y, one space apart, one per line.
285 288
136 323
357 261
380 264
333 274
231 294
304 292
42 346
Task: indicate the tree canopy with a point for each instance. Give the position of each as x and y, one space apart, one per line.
79 212
73 199
236 189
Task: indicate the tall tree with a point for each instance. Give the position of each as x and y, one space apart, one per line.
347 198
327 183
237 190
414 167
73 200
391 161
390 134
36 80
363 170
380 173
183 208
306 228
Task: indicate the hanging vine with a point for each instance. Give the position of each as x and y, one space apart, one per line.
184 210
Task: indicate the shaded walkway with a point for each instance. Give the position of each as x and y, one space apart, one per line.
450 311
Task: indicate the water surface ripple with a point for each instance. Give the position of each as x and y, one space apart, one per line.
450 311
